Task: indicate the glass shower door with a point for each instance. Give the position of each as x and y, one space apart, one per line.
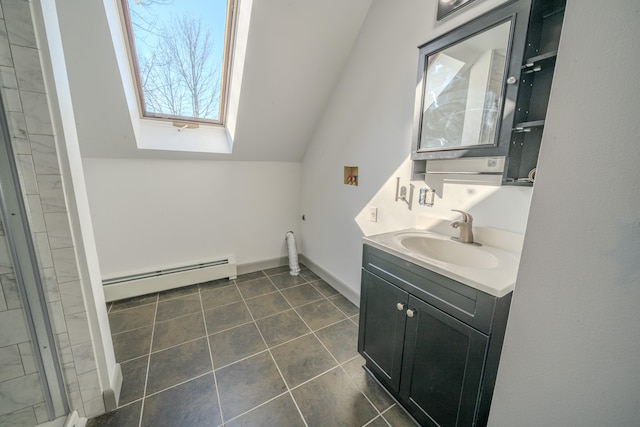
31 384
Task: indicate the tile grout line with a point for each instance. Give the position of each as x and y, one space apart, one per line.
244 300
131 330
146 378
316 337
258 406
378 417
342 368
273 358
119 310
342 311
331 354
213 367
178 384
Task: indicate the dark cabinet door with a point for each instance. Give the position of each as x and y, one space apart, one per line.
382 322
442 370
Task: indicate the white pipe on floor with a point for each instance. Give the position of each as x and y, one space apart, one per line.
294 268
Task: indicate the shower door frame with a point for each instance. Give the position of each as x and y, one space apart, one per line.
29 282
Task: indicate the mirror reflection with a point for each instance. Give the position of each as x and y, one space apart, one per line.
463 91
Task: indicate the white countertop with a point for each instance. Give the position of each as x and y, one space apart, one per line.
497 280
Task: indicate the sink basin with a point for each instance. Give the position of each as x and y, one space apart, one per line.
442 249
491 268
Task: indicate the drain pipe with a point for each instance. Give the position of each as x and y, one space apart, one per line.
294 268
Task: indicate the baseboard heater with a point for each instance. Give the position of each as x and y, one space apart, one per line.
134 285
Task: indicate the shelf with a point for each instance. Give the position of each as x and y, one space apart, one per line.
511 181
552 8
527 126
540 62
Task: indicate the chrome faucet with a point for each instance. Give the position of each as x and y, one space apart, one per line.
465 225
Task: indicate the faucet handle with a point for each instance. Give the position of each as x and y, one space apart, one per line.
466 217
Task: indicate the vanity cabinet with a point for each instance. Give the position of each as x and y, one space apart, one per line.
432 342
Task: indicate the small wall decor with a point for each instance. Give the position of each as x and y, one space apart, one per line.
446 7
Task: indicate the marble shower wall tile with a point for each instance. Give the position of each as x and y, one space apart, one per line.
77 328
58 230
36 113
63 345
36 217
51 193
75 401
89 385
57 317
17 333
23 417
17 14
71 296
27 173
6 265
17 124
70 377
43 251
11 363
26 61
20 393
45 156
42 416
28 360
12 100
5 50
11 96
64 262
50 282
94 407
20 145
83 357
8 78
3 302
11 292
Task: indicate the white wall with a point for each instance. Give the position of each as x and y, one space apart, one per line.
570 356
368 124
153 213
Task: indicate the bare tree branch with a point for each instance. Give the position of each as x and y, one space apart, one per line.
179 75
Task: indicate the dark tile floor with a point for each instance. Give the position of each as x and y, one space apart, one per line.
266 349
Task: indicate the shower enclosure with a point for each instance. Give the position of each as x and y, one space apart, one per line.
31 382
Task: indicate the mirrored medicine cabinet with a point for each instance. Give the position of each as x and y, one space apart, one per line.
482 89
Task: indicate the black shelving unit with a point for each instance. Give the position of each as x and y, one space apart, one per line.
541 51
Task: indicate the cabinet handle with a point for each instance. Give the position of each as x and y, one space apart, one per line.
410 313
400 306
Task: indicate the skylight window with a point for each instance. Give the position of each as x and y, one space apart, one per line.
181 52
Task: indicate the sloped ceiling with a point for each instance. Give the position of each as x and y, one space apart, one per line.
295 53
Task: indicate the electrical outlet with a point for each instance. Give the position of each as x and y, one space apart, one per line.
373 214
429 197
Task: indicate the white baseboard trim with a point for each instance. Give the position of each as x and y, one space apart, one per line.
251 267
337 284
